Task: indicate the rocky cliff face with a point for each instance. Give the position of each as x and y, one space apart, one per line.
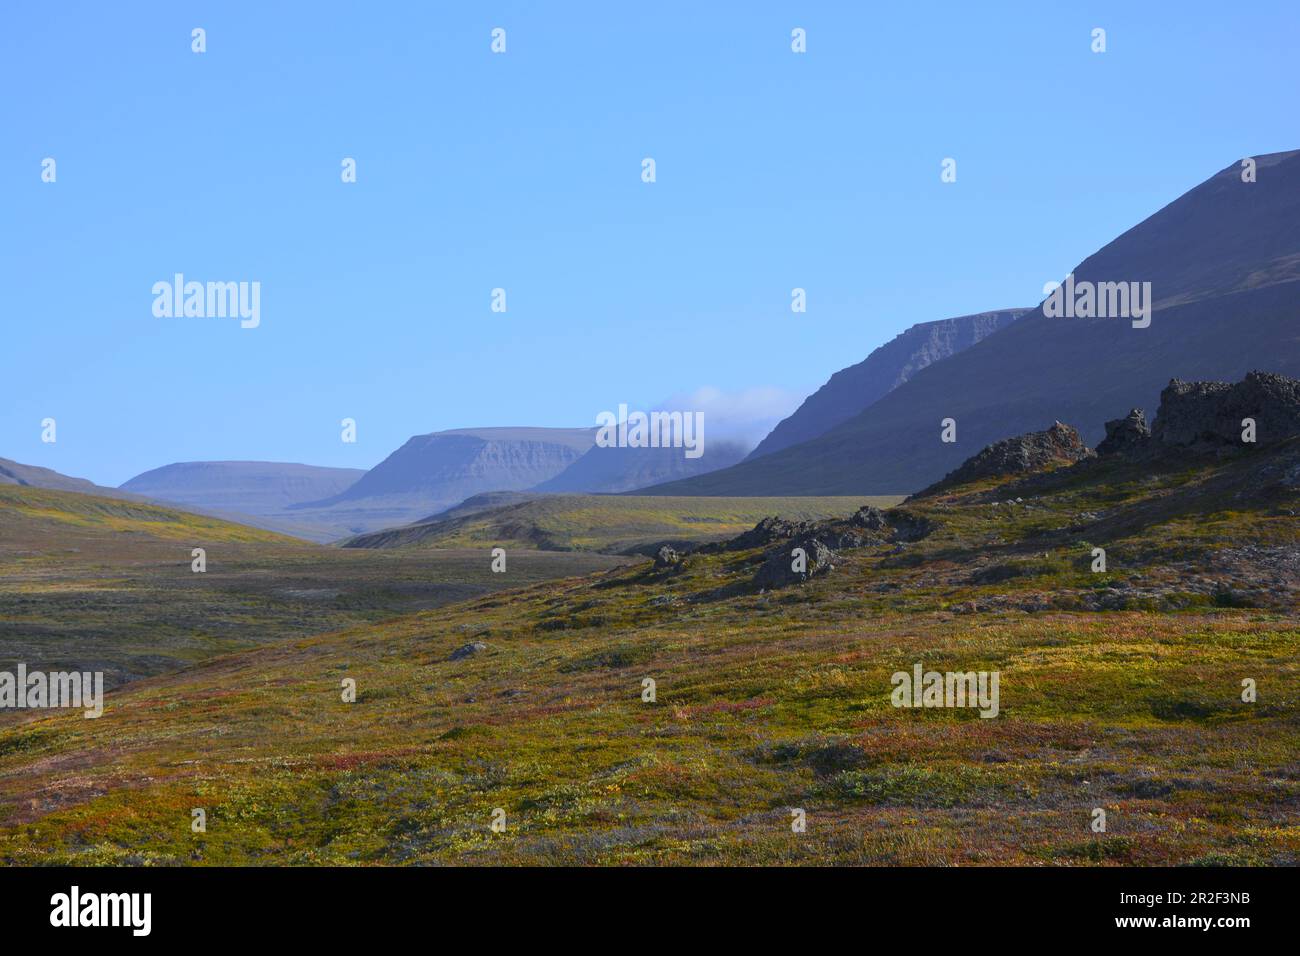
852 389
1213 414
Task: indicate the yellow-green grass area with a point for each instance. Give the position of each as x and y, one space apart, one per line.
50 516
616 523
92 583
764 703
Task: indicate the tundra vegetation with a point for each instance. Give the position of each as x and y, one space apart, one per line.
1120 690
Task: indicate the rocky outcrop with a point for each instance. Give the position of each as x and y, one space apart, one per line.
1210 415
870 518
667 557
869 525
1126 435
802 558
766 532
821 542
1036 451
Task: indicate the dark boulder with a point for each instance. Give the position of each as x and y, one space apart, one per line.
908 526
667 557
1125 435
779 567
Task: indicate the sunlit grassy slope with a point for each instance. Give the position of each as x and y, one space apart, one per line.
100 583
609 523
765 702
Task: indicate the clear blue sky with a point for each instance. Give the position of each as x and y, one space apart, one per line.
522 171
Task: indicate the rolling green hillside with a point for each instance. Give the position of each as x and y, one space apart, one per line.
105 584
1120 691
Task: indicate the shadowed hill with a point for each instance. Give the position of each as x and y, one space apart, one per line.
852 389
247 487
33 476
1222 260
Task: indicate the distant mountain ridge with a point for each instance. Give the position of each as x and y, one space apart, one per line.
246 487
852 389
1223 260
430 473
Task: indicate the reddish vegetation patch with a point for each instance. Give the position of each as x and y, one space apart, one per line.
351 761
691 711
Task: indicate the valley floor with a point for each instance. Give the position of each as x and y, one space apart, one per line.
777 705
1120 691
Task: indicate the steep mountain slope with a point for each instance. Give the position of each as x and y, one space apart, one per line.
433 472
852 389
1223 261
248 487
612 470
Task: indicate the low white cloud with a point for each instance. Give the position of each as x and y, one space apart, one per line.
744 416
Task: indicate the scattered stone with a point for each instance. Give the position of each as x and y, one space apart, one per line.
467 650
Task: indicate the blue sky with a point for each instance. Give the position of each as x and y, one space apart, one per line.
522 171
